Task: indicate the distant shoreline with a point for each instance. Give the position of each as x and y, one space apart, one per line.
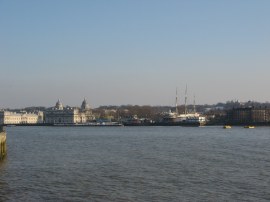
133 125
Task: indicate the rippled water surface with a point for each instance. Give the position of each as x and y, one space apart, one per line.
136 164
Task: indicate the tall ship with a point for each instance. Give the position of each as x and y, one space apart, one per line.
185 119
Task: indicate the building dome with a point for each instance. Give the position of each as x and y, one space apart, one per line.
59 105
85 105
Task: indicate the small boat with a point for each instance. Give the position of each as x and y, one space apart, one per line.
227 127
249 126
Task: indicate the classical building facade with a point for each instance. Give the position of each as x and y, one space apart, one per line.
14 118
68 115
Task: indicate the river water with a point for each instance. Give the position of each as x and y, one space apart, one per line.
136 164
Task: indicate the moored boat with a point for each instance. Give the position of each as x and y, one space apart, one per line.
188 118
249 126
227 127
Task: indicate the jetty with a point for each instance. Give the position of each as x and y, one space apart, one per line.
3 140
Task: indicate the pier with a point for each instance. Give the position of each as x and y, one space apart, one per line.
3 146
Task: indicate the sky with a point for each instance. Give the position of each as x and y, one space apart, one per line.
133 51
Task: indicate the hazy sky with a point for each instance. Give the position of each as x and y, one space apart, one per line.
133 51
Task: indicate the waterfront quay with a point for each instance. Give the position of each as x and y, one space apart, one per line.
230 113
3 147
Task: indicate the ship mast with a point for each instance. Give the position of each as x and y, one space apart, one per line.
186 100
176 101
194 106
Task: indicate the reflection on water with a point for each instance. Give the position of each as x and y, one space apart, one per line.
136 164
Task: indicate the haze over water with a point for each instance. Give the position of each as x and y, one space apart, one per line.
136 164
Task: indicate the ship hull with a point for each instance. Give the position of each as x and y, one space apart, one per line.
187 124
184 124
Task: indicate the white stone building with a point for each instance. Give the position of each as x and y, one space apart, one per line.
14 118
68 115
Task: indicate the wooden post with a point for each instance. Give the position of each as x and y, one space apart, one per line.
3 147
